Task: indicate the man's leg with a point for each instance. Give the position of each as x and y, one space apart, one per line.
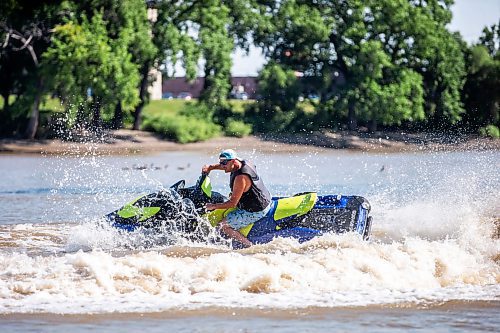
234 234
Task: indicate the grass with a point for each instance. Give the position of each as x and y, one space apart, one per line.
173 106
238 106
307 106
169 106
12 98
51 105
48 104
164 116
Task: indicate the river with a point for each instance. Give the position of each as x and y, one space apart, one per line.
432 262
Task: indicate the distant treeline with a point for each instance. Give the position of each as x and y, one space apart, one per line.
340 64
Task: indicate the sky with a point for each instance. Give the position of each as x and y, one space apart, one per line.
469 18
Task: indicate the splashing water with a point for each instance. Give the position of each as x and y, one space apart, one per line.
433 237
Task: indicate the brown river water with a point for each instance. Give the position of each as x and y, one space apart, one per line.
432 263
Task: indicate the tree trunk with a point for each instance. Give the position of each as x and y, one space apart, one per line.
35 112
352 122
208 82
118 116
5 96
143 91
96 113
80 115
5 121
493 114
372 125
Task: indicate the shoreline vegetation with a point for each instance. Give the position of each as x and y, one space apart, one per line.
351 65
128 142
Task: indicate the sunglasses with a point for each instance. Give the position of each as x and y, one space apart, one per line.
224 162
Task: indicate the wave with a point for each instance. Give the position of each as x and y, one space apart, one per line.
104 272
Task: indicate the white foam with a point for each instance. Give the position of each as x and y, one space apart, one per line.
333 270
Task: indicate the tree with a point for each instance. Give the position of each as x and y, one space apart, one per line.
414 34
481 91
279 89
436 54
216 44
90 69
385 93
190 31
370 48
25 29
490 38
142 49
127 22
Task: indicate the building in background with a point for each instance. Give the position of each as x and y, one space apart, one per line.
154 89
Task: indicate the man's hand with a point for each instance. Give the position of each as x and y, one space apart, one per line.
206 168
209 167
241 182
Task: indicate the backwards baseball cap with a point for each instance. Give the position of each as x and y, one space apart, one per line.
228 154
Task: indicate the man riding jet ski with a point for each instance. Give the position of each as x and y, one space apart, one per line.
302 216
250 199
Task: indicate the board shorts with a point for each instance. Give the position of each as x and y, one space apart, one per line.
240 218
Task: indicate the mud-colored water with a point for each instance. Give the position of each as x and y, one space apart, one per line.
432 261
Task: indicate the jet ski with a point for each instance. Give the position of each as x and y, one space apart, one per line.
302 216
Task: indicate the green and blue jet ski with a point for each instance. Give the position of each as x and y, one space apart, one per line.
302 216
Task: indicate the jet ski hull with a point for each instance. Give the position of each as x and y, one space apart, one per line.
303 216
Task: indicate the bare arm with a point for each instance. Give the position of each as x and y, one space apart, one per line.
209 167
241 184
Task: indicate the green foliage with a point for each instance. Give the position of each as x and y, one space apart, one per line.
238 106
278 86
359 55
444 77
93 59
10 101
399 100
197 110
180 121
374 61
217 26
237 128
297 30
25 29
271 119
481 90
276 110
171 38
491 131
170 110
182 129
490 38
133 21
217 46
15 118
83 58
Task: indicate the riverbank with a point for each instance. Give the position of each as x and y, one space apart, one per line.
139 142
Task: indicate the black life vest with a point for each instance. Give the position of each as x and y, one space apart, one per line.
257 197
